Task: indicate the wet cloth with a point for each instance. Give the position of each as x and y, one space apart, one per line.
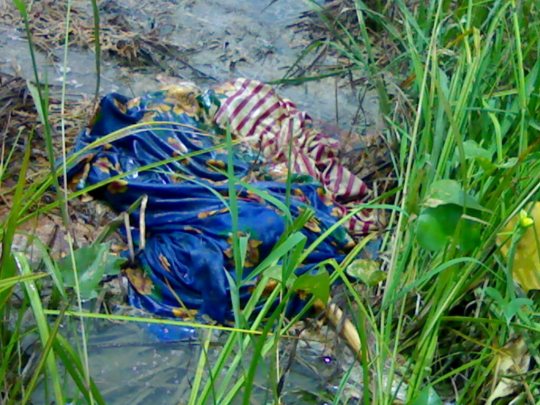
187 226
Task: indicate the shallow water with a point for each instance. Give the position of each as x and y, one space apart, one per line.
225 39
136 364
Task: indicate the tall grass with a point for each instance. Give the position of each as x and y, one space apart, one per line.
24 197
472 75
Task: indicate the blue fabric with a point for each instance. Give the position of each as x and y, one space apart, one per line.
188 227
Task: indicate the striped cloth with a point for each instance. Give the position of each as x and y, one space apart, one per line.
269 123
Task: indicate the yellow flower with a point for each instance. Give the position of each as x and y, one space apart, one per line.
525 220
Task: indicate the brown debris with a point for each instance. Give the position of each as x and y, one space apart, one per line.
119 36
18 113
316 22
16 104
18 116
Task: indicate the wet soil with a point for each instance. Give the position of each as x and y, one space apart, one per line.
210 41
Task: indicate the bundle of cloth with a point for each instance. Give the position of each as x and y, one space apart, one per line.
179 163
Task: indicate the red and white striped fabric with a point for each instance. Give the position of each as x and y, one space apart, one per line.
259 116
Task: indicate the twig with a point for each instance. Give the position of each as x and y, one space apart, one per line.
344 327
142 223
129 237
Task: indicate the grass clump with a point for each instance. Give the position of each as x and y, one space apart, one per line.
467 146
449 322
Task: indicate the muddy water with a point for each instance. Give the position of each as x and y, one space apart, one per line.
223 39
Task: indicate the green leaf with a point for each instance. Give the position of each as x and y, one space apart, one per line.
34 92
75 368
444 192
480 155
42 325
278 252
437 226
275 272
243 245
514 306
9 282
92 264
21 6
495 295
367 271
475 151
428 396
317 284
509 163
51 266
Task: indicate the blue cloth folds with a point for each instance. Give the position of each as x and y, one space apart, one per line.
188 235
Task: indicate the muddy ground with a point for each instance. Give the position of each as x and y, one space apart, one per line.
146 43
